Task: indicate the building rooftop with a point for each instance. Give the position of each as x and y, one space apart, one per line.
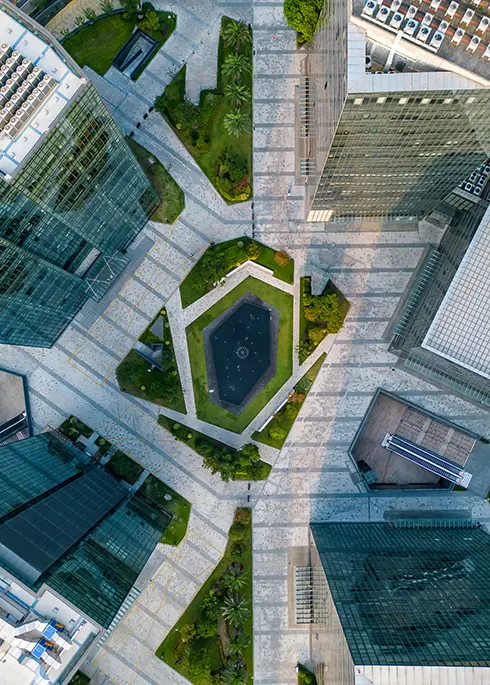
36 85
14 420
441 35
460 330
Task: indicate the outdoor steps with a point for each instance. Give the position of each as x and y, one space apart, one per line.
319 277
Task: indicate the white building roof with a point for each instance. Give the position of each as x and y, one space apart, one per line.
421 675
460 330
14 34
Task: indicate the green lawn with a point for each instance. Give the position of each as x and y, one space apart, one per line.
183 434
170 194
219 141
206 410
96 46
133 376
286 416
168 647
178 507
79 679
234 256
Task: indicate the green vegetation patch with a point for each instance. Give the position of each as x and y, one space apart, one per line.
103 445
218 260
161 387
79 679
213 639
206 410
276 432
178 507
305 677
72 428
218 131
232 464
96 45
319 316
124 467
302 16
171 195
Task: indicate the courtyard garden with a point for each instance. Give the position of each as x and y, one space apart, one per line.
172 504
72 428
319 316
219 260
218 131
123 467
277 430
96 44
139 377
171 195
218 415
212 642
230 463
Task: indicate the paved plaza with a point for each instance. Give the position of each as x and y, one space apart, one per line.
311 479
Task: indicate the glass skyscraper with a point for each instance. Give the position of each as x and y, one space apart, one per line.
393 123
72 195
409 595
71 525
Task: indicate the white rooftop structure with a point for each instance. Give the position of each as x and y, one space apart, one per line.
35 83
421 675
460 330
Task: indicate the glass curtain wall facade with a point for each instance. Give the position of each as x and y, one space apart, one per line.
425 297
67 215
401 153
97 573
409 596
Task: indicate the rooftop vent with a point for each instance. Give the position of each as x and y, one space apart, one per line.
411 12
427 20
436 40
410 27
423 34
395 5
458 36
443 26
370 7
477 191
483 25
467 17
474 43
452 9
434 5
396 20
383 13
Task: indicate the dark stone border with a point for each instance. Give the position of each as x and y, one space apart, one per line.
208 353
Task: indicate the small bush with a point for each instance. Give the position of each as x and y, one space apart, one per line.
243 515
176 426
302 15
237 531
253 250
237 551
282 258
317 333
277 432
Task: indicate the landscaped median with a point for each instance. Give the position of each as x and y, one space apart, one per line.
218 131
157 381
219 260
212 642
230 463
206 409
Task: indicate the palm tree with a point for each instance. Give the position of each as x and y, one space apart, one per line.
236 123
236 93
236 34
236 65
238 643
234 674
235 610
234 579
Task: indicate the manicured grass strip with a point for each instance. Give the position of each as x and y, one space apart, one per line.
133 376
166 650
178 507
235 255
95 46
124 467
170 194
286 416
260 472
206 410
207 154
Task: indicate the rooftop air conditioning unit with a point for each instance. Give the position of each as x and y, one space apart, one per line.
467 17
411 12
396 20
436 40
474 43
458 36
443 26
369 8
483 25
423 34
476 2
383 13
482 180
410 27
473 177
434 5
427 20
468 187
452 9
486 54
486 170
395 5
477 191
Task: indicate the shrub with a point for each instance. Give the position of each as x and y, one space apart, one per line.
206 625
188 632
291 411
302 15
323 308
147 7
303 385
282 258
240 244
237 531
277 432
253 250
107 7
151 23
243 515
316 334
176 426
90 14
237 551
